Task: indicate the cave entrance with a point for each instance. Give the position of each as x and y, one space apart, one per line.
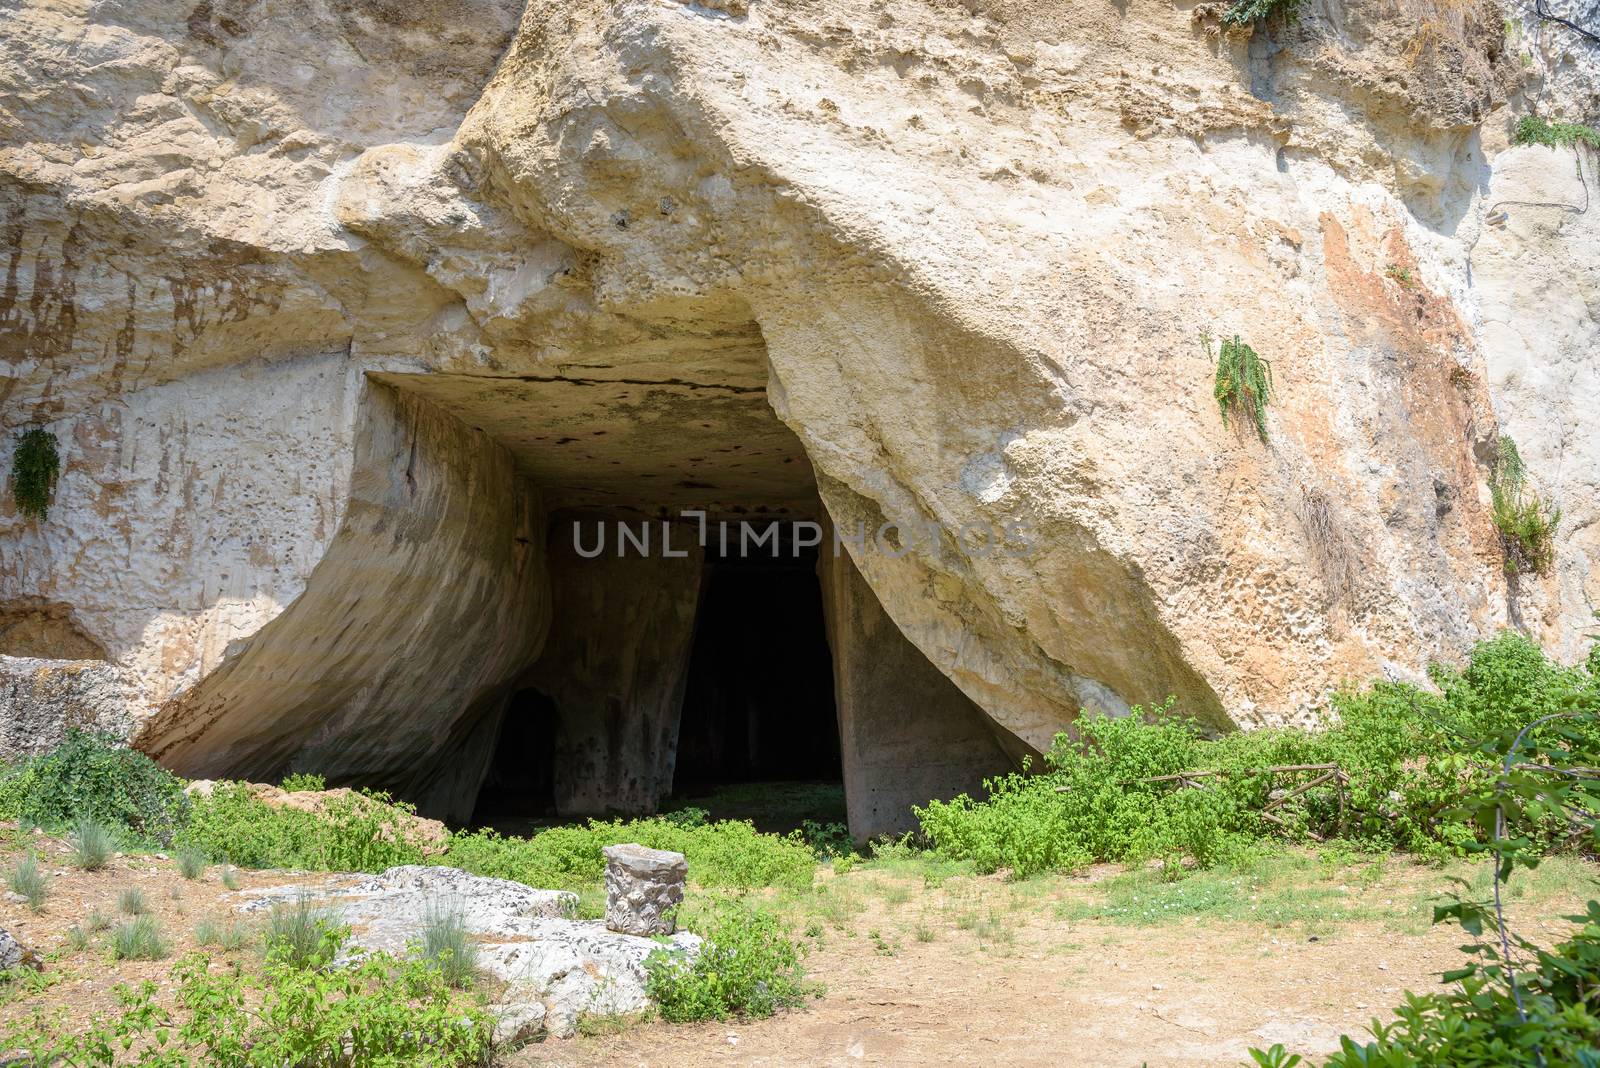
758 737
518 791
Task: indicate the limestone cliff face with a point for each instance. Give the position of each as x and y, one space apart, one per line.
265 261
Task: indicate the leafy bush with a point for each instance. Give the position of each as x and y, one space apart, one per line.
1514 1003
303 782
91 776
34 467
1527 523
378 1013
352 832
747 965
1532 130
92 845
28 880
139 939
1411 757
727 853
1243 382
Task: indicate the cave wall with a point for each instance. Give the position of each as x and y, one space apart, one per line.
907 734
388 670
615 665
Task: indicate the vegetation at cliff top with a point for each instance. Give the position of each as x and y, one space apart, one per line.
34 468
1532 130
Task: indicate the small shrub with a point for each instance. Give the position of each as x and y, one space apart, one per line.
747 965
303 782
1527 523
1532 130
92 845
302 936
77 939
448 945
34 468
191 862
91 776
139 939
827 840
351 832
29 880
130 902
1243 382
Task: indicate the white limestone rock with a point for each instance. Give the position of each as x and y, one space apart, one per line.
556 969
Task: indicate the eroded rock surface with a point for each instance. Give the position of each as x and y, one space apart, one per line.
331 307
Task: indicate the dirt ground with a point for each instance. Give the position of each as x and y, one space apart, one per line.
923 964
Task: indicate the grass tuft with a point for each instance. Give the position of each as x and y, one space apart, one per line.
446 942
139 939
30 881
130 902
192 862
92 845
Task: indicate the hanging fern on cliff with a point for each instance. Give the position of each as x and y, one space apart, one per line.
1245 12
1243 383
34 468
1527 523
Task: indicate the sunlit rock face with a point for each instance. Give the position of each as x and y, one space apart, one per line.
332 304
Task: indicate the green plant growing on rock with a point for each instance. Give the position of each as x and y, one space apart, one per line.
303 782
1248 12
34 468
448 944
1243 384
1532 130
1527 523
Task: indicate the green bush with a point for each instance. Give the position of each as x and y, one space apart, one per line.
1410 755
727 853
748 965
91 776
303 782
351 832
378 1013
